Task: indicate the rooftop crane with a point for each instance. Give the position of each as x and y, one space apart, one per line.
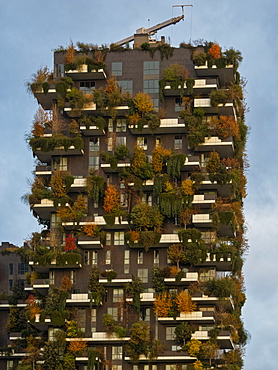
152 30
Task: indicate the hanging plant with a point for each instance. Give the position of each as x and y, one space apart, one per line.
174 165
95 186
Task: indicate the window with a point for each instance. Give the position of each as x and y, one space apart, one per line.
108 238
60 164
126 86
126 262
94 257
174 367
11 268
178 102
110 144
119 238
117 68
170 332
108 257
155 104
110 125
146 367
207 275
151 86
142 142
93 320
86 257
140 258
121 140
121 125
73 276
87 86
54 222
22 268
94 144
81 318
124 200
115 367
59 70
178 142
117 353
10 365
157 141
51 277
118 295
151 68
113 311
143 275
156 257
145 314
94 163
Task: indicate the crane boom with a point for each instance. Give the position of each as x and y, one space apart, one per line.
152 30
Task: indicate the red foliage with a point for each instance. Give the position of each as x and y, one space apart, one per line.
70 243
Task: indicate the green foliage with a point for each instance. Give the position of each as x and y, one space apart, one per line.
121 152
197 130
200 59
109 274
145 217
48 144
77 99
95 287
95 186
218 97
183 333
17 320
134 289
112 327
174 165
158 279
221 288
140 340
51 357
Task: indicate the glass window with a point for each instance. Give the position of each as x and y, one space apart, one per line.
178 142
113 311
93 320
73 276
151 68
140 257
94 163
108 257
142 142
121 125
94 144
60 164
126 86
108 238
118 295
22 268
117 353
119 238
87 86
86 257
115 367
94 257
11 268
51 277
145 314
178 106
110 125
126 262
151 86
156 257
143 275
81 318
121 140
170 332
117 68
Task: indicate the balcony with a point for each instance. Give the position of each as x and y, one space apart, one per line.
147 297
100 337
119 223
43 170
223 191
167 126
191 163
166 357
41 285
83 74
204 317
147 185
205 85
223 110
46 157
221 263
88 242
79 184
107 168
119 280
91 131
200 299
225 75
224 339
63 260
202 220
44 208
169 239
79 299
188 278
225 147
204 200
46 100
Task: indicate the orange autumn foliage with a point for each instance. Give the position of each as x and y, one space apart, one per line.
111 199
77 346
162 305
185 303
214 51
227 126
66 284
159 154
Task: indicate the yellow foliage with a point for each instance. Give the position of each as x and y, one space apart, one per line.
111 202
162 305
90 230
197 365
174 270
187 187
193 347
185 303
77 346
70 54
143 103
159 154
57 185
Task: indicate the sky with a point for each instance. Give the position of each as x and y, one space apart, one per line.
31 29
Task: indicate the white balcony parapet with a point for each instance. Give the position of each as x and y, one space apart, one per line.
189 276
147 297
80 297
169 238
107 165
202 82
98 336
201 218
170 122
200 198
201 335
79 183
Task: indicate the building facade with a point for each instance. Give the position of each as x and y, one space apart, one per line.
139 186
